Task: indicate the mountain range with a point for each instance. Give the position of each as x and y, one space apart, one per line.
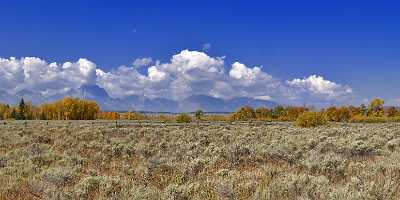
141 103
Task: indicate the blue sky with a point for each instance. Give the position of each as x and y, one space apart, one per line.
354 44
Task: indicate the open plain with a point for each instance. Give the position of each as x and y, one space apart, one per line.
95 160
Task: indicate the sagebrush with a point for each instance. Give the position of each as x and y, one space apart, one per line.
82 160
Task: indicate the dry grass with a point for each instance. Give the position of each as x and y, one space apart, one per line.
81 160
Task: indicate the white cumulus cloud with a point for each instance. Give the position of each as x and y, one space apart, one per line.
35 74
186 73
248 76
319 87
265 97
194 66
142 62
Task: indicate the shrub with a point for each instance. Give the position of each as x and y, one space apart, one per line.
199 115
59 176
217 118
394 119
375 108
392 112
367 119
293 186
244 114
163 118
338 114
278 112
183 118
135 116
263 113
311 119
105 186
108 115
292 113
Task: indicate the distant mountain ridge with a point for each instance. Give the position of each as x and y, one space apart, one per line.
212 104
142 103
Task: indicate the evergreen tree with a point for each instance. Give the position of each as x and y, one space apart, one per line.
199 114
21 110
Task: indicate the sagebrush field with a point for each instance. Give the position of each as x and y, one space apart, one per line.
86 160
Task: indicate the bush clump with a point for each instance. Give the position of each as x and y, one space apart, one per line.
369 119
183 118
311 119
135 116
244 114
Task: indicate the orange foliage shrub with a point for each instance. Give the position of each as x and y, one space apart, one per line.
341 114
135 116
311 119
244 114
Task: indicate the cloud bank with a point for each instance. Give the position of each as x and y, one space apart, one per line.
187 73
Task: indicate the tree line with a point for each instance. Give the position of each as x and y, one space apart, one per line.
374 112
65 109
78 109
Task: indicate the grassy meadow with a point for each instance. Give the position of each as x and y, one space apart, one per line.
86 160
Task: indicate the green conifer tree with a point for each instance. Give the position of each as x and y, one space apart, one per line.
21 110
